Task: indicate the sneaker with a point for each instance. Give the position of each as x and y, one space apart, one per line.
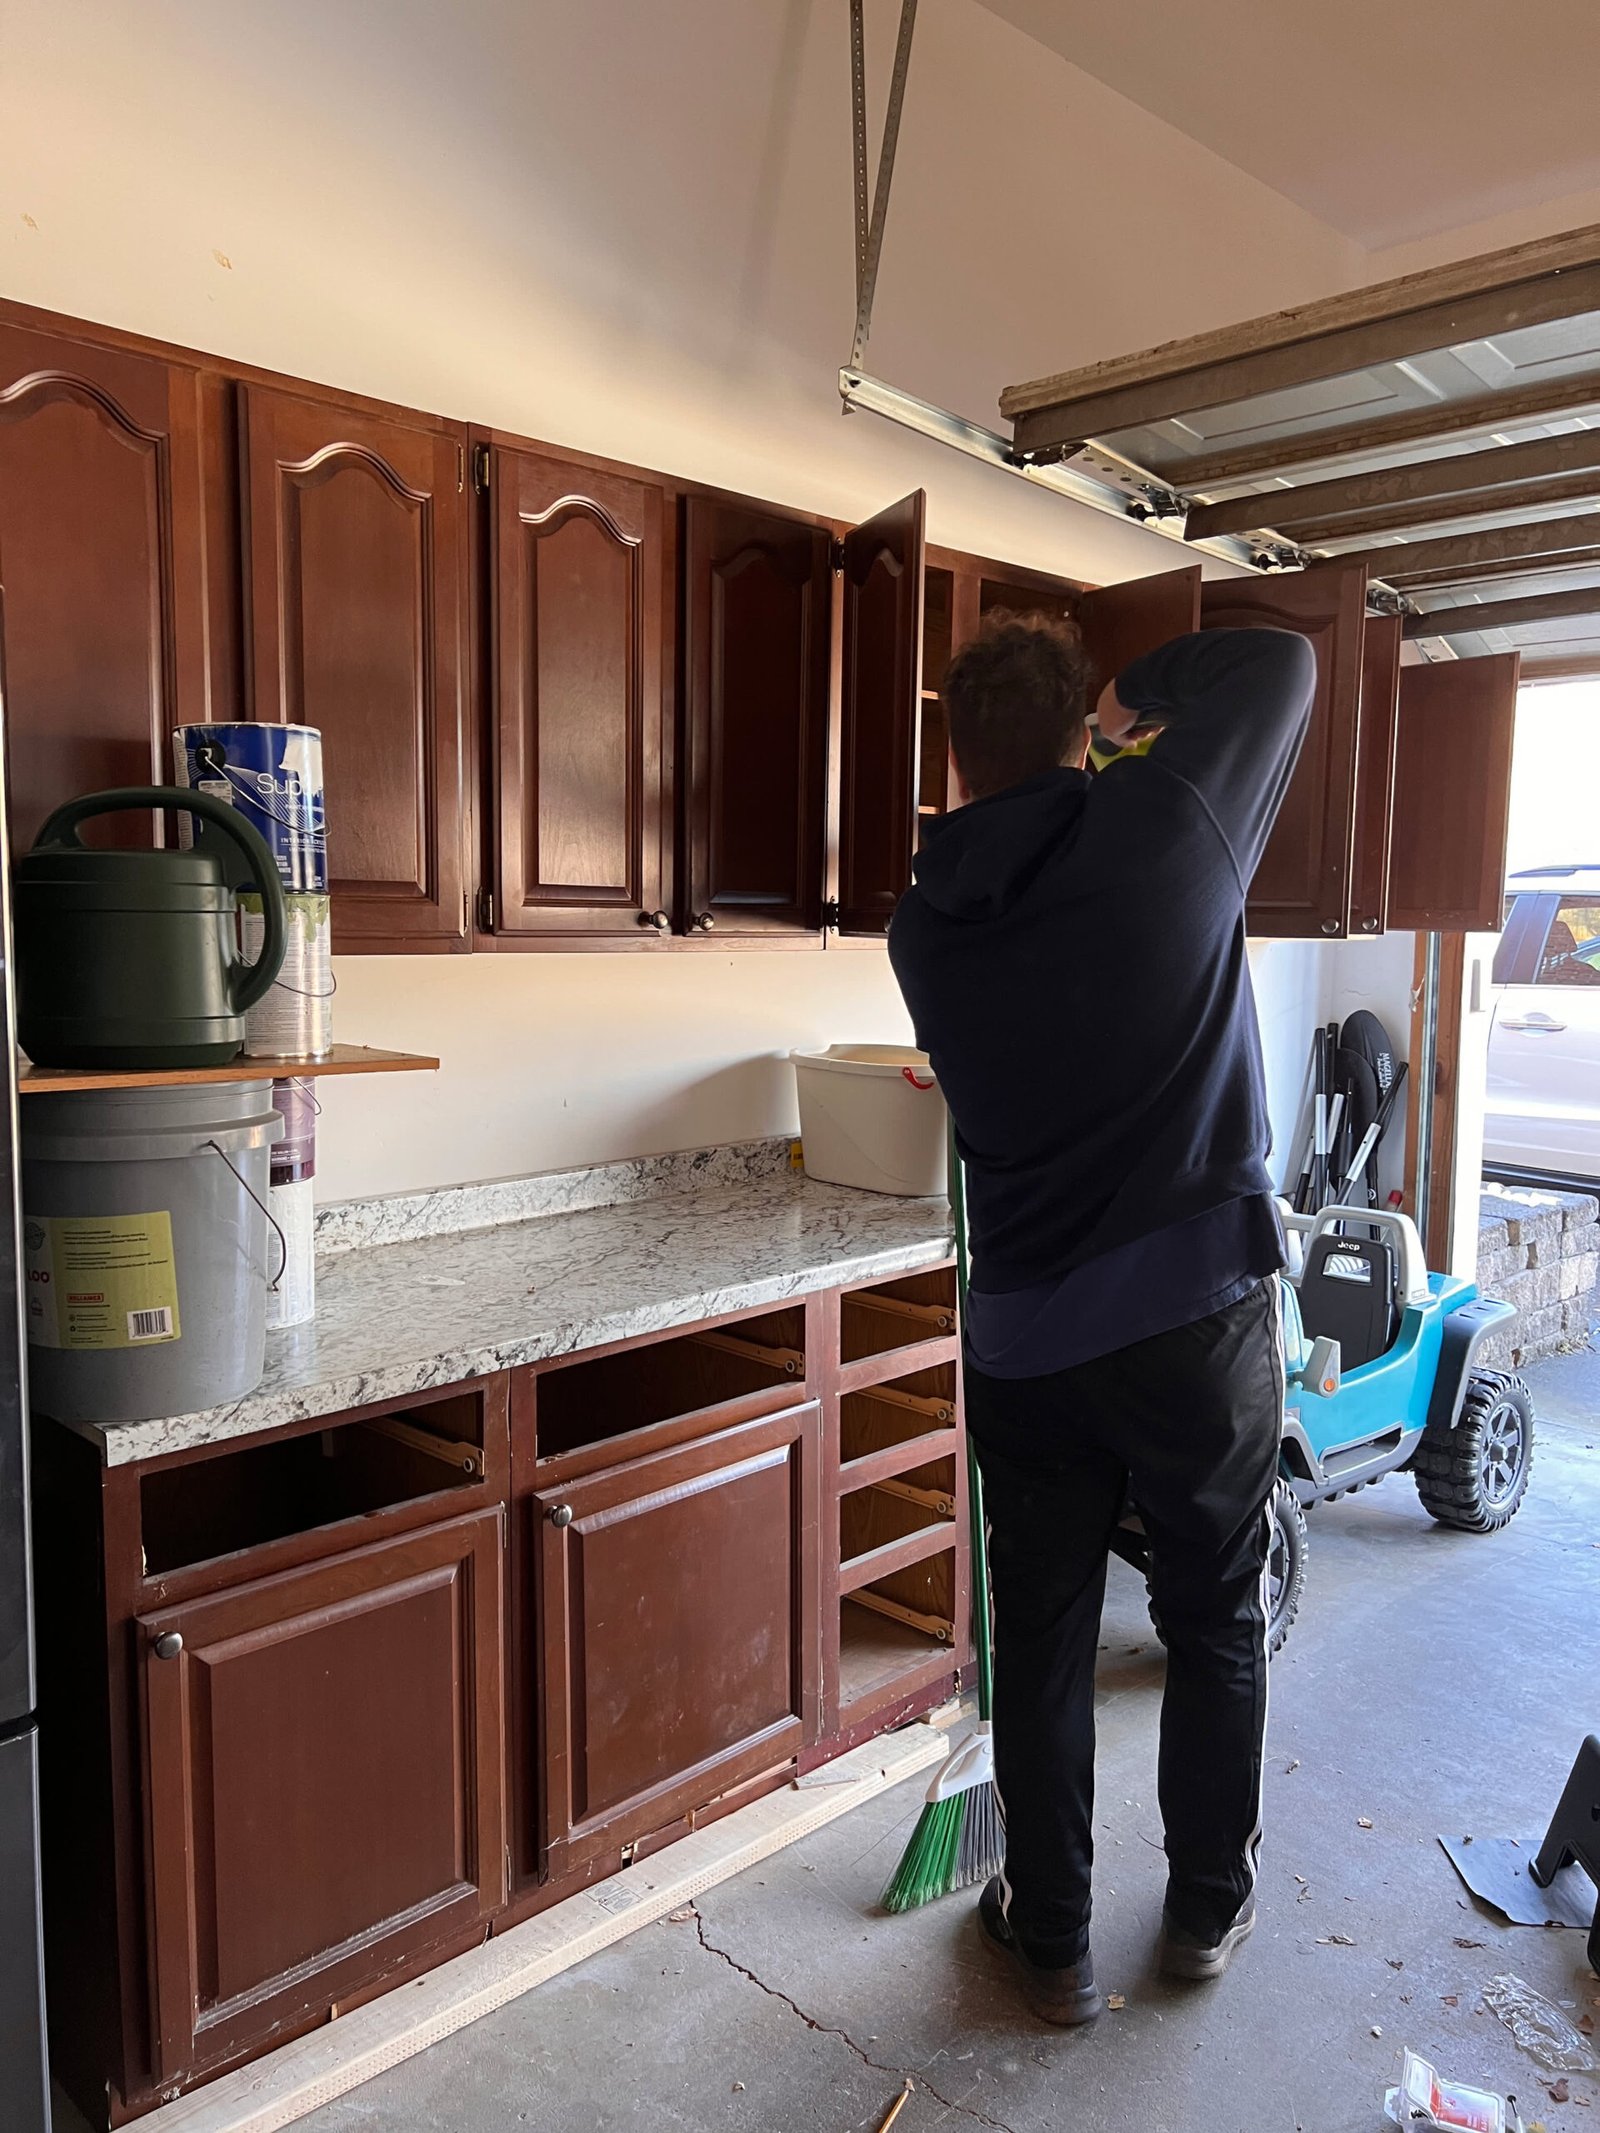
1066 1996
1181 1952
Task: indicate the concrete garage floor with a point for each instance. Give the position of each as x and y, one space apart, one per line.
1435 1681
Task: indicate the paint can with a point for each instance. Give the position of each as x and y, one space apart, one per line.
294 1018
291 1197
273 775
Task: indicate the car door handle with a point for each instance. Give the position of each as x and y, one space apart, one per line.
1535 1024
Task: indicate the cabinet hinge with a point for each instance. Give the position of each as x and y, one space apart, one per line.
836 553
480 468
486 910
831 915
461 470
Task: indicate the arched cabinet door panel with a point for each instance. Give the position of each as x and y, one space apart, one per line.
582 823
101 571
1304 886
355 586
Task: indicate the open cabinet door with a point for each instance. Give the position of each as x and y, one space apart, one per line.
1375 755
881 701
1452 795
1302 886
1120 622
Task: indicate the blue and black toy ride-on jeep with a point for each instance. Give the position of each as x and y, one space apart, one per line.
1381 1373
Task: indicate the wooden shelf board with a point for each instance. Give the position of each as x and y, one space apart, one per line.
343 1059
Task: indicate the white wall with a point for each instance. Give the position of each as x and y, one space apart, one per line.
626 226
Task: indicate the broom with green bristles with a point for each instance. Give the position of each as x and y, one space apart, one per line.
959 1839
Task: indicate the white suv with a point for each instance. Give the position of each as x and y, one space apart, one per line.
1544 1050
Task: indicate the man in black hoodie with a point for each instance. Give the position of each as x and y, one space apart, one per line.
1073 956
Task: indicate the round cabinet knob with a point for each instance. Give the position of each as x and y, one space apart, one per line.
561 1514
704 922
168 1645
1330 925
1369 925
658 919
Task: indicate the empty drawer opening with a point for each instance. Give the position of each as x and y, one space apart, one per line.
268 1492
698 1373
897 1314
899 1510
896 1626
896 1430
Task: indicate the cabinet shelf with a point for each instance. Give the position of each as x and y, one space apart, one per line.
343 1059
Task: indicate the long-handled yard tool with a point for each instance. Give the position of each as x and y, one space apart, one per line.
959 1839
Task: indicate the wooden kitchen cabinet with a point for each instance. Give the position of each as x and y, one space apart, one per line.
323 1778
1122 622
758 599
880 712
679 1643
580 742
1303 885
102 572
355 587
1452 794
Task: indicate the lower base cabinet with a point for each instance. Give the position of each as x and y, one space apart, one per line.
679 1630
321 1708
324 1769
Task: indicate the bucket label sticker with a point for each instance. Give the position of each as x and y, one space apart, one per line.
100 1281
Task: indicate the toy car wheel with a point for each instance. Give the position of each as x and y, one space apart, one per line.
1286 1563
1475 1475
1286 1567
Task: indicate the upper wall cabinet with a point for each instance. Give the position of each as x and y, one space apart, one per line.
1122 622
880 708
1303 884
355 576
758 597
1452 794
582 823
102 566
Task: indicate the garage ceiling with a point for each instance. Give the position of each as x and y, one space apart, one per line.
1442 429
1385 122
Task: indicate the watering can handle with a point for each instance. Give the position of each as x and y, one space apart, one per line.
248 982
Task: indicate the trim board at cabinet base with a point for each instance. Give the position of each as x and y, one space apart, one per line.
329 2062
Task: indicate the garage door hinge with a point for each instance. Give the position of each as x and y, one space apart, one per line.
486 910
480 468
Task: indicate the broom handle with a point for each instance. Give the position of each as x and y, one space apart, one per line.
981 1636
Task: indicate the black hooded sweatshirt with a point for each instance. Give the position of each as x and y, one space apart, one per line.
1073 957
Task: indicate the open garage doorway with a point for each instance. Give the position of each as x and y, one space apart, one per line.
1542 1094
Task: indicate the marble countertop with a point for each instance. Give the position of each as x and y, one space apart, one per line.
398 1318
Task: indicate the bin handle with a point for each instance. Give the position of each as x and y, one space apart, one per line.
276 1282
247 982
910 1074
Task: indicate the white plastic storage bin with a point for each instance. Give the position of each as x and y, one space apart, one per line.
871 1115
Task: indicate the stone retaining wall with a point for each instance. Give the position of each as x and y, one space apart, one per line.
1541 1252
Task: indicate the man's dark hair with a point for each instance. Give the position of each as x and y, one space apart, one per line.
1017 700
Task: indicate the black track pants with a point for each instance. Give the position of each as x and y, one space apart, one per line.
1189 1422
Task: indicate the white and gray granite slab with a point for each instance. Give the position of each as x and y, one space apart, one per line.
400 1318
404 1217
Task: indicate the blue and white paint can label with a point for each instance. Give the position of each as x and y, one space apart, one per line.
273 776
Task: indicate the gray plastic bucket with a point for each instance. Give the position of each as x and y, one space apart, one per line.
147 1249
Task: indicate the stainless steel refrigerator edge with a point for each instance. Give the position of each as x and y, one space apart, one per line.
24 2078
